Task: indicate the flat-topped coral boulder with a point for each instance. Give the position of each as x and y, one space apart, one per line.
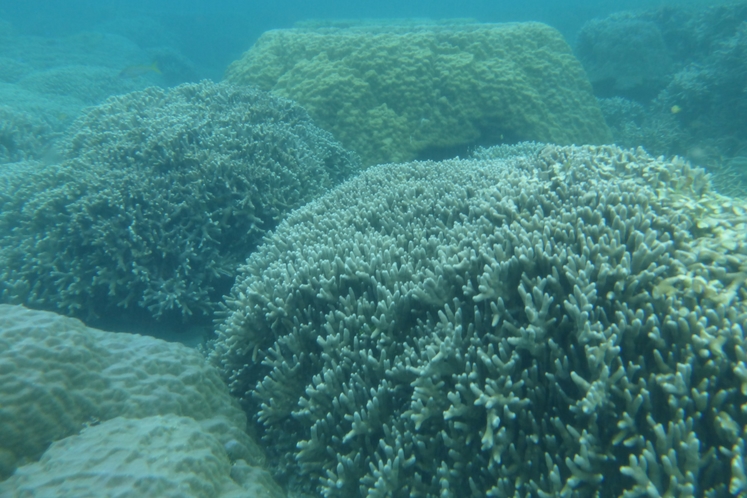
395 93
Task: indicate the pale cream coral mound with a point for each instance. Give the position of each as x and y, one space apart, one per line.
163 456
112 404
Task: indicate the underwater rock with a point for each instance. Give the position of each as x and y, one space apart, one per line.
59 378
160 457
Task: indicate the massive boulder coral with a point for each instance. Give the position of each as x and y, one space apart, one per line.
125 415
541 321
394 93
160 195
163 456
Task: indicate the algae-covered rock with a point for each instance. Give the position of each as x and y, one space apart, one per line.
395 93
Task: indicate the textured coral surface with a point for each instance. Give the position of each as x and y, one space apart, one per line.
160 194
672 79
58 376
543 321
46 81
396 93
163 456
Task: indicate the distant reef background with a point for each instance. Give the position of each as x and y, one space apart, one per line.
665 74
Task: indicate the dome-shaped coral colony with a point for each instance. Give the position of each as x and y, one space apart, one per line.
161 195
561 322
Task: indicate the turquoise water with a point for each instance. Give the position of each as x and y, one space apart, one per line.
213 34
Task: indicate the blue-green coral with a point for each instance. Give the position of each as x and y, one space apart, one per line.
566 321
158 198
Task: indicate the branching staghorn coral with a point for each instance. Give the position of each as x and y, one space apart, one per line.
159 196
491 327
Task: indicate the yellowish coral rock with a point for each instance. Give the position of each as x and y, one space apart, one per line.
396 93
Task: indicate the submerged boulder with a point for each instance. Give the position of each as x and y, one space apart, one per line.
85 412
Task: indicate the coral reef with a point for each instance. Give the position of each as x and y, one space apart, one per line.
88 85
22 136
59 378
690 98
160 456
639 125
50 80
623 55
731 177
712 93
32 121
158 197
564 321
80 49
12 70
394 93
41 96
